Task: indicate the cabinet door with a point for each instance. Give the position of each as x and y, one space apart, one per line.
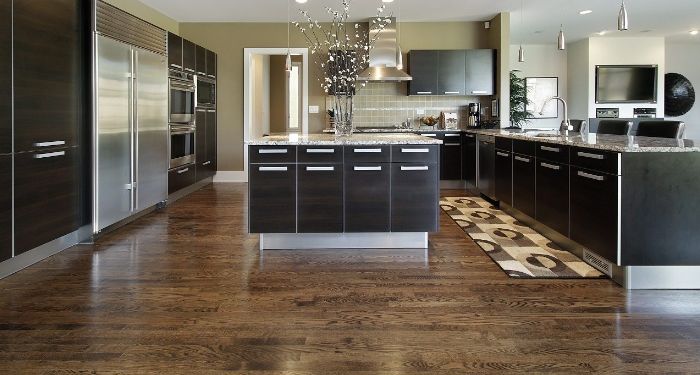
5 207
273 194
211 64
201 60
210 162
5 77
174 51
524 184
47 193
594 215
189 56
480 72
504 177
414 197
451 72
552 203
49 73
181 178
451 163
423 67
469 159
320 198
200 143
367 197
487 166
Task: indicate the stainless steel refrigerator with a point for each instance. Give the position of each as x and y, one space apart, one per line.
131 131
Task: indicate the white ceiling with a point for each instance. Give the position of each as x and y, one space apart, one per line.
541 18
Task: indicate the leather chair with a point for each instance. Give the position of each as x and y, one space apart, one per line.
614 127
578 125
661 129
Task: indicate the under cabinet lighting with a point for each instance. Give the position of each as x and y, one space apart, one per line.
300 1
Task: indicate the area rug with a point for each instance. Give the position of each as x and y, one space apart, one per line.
517 249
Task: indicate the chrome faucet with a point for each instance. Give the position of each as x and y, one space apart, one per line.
566 124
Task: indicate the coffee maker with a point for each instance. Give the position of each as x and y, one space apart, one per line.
474 118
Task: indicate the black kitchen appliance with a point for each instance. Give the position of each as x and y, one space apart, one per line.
474 117
206 92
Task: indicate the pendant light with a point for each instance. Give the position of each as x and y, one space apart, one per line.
521 52
288 62
399 53
622 20
561 40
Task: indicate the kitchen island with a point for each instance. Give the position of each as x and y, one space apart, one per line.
360 191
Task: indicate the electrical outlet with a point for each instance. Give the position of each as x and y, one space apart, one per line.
420 111
313 109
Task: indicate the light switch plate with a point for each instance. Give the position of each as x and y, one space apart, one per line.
420 111
313 109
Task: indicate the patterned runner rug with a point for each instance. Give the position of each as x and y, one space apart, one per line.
518 250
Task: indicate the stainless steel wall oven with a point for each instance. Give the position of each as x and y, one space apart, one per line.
181 98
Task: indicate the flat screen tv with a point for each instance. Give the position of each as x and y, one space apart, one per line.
625 83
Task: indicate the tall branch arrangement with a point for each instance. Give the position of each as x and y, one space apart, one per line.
340 51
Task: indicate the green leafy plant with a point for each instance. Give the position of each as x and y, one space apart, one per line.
519 115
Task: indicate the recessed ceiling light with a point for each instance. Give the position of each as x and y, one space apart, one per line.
587 11
694 32
387 1
601 33
300 1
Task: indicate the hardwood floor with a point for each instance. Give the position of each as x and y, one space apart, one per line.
185 290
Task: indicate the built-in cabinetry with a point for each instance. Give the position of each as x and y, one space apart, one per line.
452 72
524 170
205 143
504 170
450 153
469 159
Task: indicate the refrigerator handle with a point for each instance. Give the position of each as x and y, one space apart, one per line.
132 129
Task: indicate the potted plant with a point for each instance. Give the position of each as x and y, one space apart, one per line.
519 115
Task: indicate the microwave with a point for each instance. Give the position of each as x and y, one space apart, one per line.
206 92
181 100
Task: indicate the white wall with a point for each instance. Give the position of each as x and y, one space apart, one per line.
684 58
578 74
542 60
260 70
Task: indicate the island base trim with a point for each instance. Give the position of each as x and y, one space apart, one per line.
662 277
294 241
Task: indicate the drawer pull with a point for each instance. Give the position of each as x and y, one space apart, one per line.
417 168
452 135
429 135
479 92
181 171
367 150
469 135
502 154
591 176
551 166
452 144
189 70
201 73
49 155
452 92
367 168
424 93
272 169
551 149
211 110
320 151
177 66
415 150
520 158
320 169
211 76
49 144
207 162
591 156
272 151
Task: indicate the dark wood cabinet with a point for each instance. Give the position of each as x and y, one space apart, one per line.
174 51
504 176
5 207
200 143
211 64
451 72
211 157
181 178
367 197
50 73
423 67
487 167
414 197
469 152
320 198
480 72
272 198
47 196
524 184
552 202
189 56
594 211
451 163
5 78
200 60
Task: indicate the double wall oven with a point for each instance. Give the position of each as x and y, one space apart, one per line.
182 99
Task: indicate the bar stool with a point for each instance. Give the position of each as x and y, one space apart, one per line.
614 127
661 129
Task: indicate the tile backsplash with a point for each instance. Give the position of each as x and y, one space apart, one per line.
386 104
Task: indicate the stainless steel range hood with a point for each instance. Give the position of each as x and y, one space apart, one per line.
382 57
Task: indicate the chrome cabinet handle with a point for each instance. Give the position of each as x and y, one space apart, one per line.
189 70
551 149
479 92
367 150
417 168
201 73
452 144
367 168
550 166
524 160
424 92
429 135
591 176
177 66
49 144
49 155
211 76
320 169
452 135
181 171
451 92
211 110
272 169
206 162
272 151
320 150
502 154
591 156
415 150
469 135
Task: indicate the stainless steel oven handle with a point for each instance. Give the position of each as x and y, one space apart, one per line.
181 171
182 131
206 162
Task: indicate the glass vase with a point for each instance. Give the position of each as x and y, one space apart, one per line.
342 107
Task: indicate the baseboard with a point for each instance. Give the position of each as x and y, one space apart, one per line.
231 176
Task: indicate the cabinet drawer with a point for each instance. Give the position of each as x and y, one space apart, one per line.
367 199
504 176
320 154
524 184
451 159
272 154
597 160
47 196
367 153
272 201
505 144
5 207
524 147
414 197
553 152
415 153
181 178
320 198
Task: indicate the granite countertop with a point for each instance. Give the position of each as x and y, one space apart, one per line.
617 143
397 130
331 139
